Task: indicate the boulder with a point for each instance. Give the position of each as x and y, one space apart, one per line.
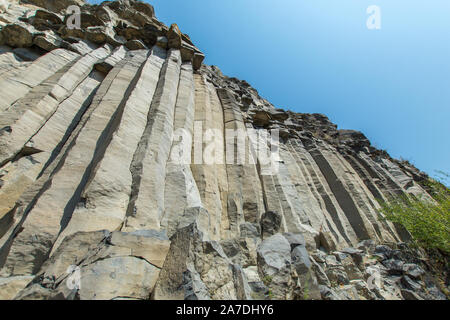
384 250
144 8
150 34
18 34
174 37
394 266
413 270
250 230
279 115
300 260
261 118
270 223
274 264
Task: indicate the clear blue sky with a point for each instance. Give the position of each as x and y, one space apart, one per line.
318 56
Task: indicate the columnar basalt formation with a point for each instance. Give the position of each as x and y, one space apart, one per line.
123 177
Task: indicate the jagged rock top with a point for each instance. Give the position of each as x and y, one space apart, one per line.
48 25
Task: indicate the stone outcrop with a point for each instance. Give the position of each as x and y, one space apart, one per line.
123 176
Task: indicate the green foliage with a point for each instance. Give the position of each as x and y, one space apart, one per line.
267 280
306 290
427 221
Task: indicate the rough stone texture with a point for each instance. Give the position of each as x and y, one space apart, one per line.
100 129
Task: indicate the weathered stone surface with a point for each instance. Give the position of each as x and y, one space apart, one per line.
10 287
196 269
270 223
274 264
48 41
18 34
27 115
109 211
70 177
147 205
115 137
135 45
174 37
182 201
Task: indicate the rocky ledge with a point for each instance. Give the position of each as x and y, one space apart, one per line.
95 205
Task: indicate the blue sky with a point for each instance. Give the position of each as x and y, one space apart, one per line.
318 56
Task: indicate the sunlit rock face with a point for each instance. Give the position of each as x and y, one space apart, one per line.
130 170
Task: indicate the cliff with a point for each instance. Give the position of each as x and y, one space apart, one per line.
130 170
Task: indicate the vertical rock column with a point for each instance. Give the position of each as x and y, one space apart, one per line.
24 119
221 222
205 151
106 197
49 141
182 198
311 204
328 164
15 87
54 207
245 199
324 194
146 205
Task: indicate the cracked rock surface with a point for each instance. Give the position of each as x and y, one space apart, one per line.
95 204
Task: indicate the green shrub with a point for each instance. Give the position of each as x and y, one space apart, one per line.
427 221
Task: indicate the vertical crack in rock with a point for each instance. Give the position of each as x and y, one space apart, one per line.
30 113
108 192
98 167
23 172
342 196
15 87
183 204
56 204
244 191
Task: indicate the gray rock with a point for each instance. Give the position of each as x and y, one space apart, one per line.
410 295
413 270
368 246
198 60
187 51
250 230
384 250
394 266
274 264
410 284
300 259
270 223
295 239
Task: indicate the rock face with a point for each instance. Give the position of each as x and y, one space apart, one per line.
130 170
